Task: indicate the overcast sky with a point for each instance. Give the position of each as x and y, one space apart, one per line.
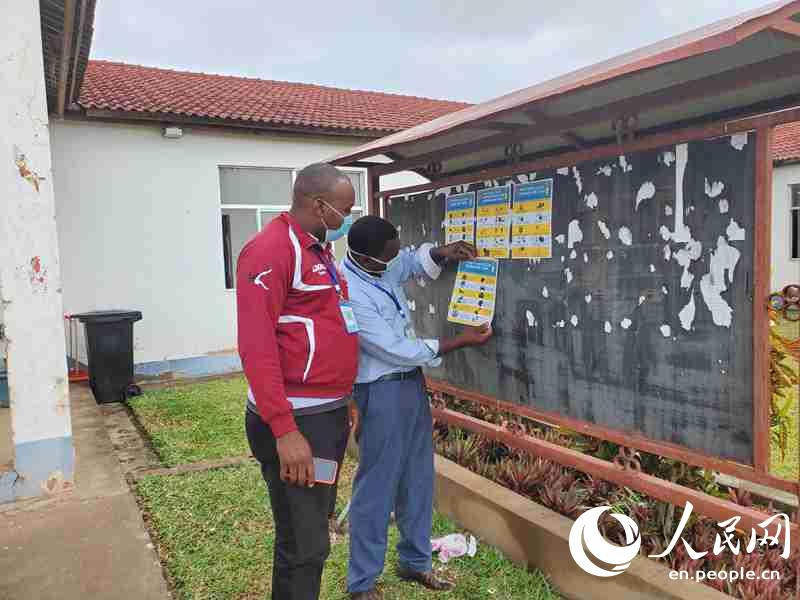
470 50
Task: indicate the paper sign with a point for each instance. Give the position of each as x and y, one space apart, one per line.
531 233
474 292
460 218
494 220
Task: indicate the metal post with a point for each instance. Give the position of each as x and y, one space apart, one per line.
761 282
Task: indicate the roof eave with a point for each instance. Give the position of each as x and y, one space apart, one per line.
67 30
95 114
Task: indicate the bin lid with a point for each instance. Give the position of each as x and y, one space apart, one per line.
108 316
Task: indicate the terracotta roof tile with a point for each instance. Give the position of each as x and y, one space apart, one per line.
786 145
133 88
119 86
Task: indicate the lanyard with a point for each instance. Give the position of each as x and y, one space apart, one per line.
384 290
331 270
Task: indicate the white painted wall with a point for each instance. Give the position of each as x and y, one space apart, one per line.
784 269
30 282
139 224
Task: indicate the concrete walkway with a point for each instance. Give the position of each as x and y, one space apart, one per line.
86 544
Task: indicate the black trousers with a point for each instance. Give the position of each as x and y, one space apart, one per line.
302 543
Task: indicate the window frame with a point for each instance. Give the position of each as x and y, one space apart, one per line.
361 206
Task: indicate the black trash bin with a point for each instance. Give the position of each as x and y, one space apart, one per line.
109 348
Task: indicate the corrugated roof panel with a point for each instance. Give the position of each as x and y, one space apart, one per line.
680 59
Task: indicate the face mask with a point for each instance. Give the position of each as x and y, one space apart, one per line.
387 265
331 235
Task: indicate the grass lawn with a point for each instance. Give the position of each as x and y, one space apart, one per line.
790 467
202 421
214 535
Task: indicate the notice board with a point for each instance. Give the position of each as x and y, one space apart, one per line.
641 319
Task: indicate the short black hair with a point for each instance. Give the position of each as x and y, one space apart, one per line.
370 234
317 180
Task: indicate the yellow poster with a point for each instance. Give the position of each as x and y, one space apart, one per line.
494 221
531 232
474 292
460 218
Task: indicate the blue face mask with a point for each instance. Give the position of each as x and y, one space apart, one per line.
331 235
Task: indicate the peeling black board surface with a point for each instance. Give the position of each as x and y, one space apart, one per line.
692 388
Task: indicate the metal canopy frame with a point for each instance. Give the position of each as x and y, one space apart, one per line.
664 490
555 124
763 126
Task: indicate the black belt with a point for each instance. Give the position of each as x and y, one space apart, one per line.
399 376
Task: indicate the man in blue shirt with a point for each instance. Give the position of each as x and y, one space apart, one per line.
395 427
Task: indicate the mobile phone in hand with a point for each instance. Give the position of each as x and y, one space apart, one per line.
325 471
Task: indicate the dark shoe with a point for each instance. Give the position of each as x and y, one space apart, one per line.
426 578
372 594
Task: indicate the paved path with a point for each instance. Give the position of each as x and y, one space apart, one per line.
86 544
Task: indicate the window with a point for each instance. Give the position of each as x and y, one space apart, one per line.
794 220
357 179
251 197
246 194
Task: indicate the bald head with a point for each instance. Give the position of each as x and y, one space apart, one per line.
317 181
322 197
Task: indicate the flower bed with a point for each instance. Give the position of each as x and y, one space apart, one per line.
571 492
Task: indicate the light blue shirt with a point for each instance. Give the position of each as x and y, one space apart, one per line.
387 343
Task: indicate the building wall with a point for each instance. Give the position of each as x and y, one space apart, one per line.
784 269
139 228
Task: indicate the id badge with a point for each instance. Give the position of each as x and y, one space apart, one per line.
349 317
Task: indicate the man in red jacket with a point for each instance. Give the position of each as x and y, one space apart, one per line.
299 350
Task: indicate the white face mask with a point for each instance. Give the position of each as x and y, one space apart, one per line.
387 265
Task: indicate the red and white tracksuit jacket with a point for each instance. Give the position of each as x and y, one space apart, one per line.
293 342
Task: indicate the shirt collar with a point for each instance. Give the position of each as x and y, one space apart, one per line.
307 241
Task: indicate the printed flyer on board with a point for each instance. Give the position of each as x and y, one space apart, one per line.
474 292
